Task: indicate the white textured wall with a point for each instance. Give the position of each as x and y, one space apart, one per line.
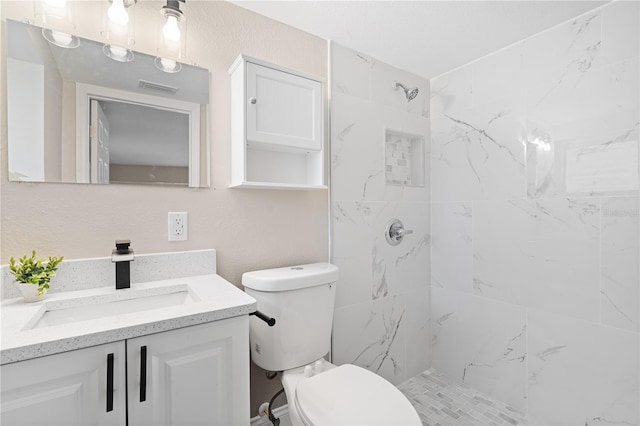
535 236
251 229
382 303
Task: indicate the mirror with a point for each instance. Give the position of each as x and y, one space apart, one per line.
76 115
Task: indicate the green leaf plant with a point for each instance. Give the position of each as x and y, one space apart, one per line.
30 270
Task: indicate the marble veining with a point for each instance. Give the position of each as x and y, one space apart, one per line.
384 344
535 276
473 149
567 51
421 244
481 343
378 268
551 246
563 349
509 354
451 229
620 270
380 150
484 136
597 155
371 335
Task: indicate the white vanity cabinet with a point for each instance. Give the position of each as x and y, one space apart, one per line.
67 389
194 376
277 127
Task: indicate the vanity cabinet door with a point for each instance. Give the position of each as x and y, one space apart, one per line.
66 389
196 375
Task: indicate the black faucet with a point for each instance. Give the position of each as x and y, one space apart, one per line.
122 256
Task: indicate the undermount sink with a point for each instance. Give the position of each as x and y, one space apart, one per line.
119 302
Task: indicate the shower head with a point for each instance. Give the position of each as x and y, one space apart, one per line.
409 92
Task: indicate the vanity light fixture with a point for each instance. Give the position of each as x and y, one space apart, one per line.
118 30
172 40
56 22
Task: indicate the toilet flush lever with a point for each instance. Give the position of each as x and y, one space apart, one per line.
394 232
269 320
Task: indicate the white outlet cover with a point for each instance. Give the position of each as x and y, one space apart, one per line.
177 226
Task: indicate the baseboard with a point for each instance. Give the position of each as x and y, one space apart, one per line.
264 420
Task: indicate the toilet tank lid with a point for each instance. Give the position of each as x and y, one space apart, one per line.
291 277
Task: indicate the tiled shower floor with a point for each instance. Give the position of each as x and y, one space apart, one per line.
442 402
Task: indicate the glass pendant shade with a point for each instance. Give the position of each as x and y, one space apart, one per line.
57 22
118 29
172 34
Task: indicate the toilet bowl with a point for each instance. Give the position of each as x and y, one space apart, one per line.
345 395
301 299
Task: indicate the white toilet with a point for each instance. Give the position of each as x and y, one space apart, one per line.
301 299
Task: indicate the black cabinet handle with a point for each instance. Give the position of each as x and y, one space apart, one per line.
109 382
143 374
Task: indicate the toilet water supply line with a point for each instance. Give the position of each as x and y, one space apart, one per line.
273 419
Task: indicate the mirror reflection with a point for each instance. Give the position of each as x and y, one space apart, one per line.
78 115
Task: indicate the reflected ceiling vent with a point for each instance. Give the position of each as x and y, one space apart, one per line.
149 85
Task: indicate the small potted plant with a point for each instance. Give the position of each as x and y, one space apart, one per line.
33 274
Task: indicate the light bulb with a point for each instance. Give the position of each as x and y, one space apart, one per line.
170 30
56 9
61 38
117 13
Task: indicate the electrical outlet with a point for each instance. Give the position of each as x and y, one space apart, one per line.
177 226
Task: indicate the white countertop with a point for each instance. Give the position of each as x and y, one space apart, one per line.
216 299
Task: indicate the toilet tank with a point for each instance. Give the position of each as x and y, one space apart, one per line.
301 299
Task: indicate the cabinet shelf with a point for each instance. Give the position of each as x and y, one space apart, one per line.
272 185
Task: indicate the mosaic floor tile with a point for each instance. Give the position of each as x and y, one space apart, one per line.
441 401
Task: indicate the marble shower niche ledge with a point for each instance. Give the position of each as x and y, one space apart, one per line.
404 158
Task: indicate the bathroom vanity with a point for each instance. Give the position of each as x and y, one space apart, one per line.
172 351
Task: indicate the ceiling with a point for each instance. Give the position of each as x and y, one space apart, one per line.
427 37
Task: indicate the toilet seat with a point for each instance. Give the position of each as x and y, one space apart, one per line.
350 395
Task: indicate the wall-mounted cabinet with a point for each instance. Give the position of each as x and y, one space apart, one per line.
277 127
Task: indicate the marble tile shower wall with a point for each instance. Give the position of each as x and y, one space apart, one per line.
382 303
535 238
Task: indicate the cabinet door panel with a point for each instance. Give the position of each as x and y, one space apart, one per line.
283 109
195 376
65 389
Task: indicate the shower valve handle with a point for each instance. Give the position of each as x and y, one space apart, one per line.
395 232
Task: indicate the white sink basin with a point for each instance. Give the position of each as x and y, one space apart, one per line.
119 302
